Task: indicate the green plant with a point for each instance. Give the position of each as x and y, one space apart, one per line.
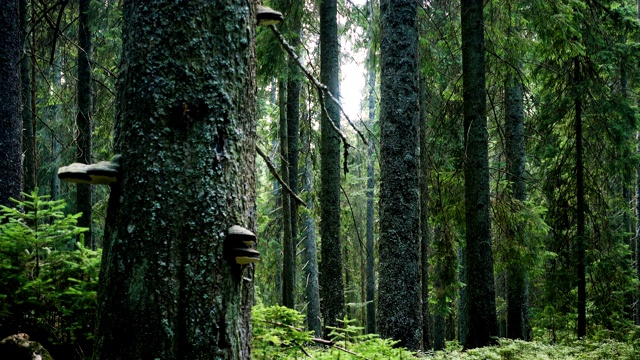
49 280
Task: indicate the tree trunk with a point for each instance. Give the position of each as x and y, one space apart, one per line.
370 266
28 132
288 250
481 306
517 279
83 118
294 86
314 319
10 120
186 132
425 230
331 282
400 294
580 236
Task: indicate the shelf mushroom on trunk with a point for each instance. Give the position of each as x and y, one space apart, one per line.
102 173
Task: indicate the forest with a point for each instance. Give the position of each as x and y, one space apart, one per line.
326 179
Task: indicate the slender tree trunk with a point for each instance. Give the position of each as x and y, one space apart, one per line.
314 319
481 305
425 230
169 284
294 86
580 236
331 282
10 120
370 266
288 250
400 294
28 132
83 119
517 279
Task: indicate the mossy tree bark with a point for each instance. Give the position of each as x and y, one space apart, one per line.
84 192
481 306
186 132
10 120
331 282
399 290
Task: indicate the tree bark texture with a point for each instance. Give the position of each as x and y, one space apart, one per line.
84 192
28 132
186 133
331 282
481 307
517 279
288 250
10 118
399 290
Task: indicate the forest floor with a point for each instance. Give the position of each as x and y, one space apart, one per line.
523 350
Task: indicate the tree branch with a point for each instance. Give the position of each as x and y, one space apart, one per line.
272 170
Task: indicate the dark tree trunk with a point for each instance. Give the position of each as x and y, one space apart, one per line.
481 306
10 119
331 282
399 291
288 250
517 279
83 118
580 236
186 133
294 85
370 266
28 132
314 319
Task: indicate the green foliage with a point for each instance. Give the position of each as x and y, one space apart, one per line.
523 350
277 332
48 280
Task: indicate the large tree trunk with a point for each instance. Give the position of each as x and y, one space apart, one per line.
517 279
28 132
331 282
186 133
10 120
83 119
481 307
400 294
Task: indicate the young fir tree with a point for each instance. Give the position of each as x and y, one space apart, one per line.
400 295
186 133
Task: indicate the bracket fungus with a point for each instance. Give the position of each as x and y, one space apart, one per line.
102 173
266 16
239 243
